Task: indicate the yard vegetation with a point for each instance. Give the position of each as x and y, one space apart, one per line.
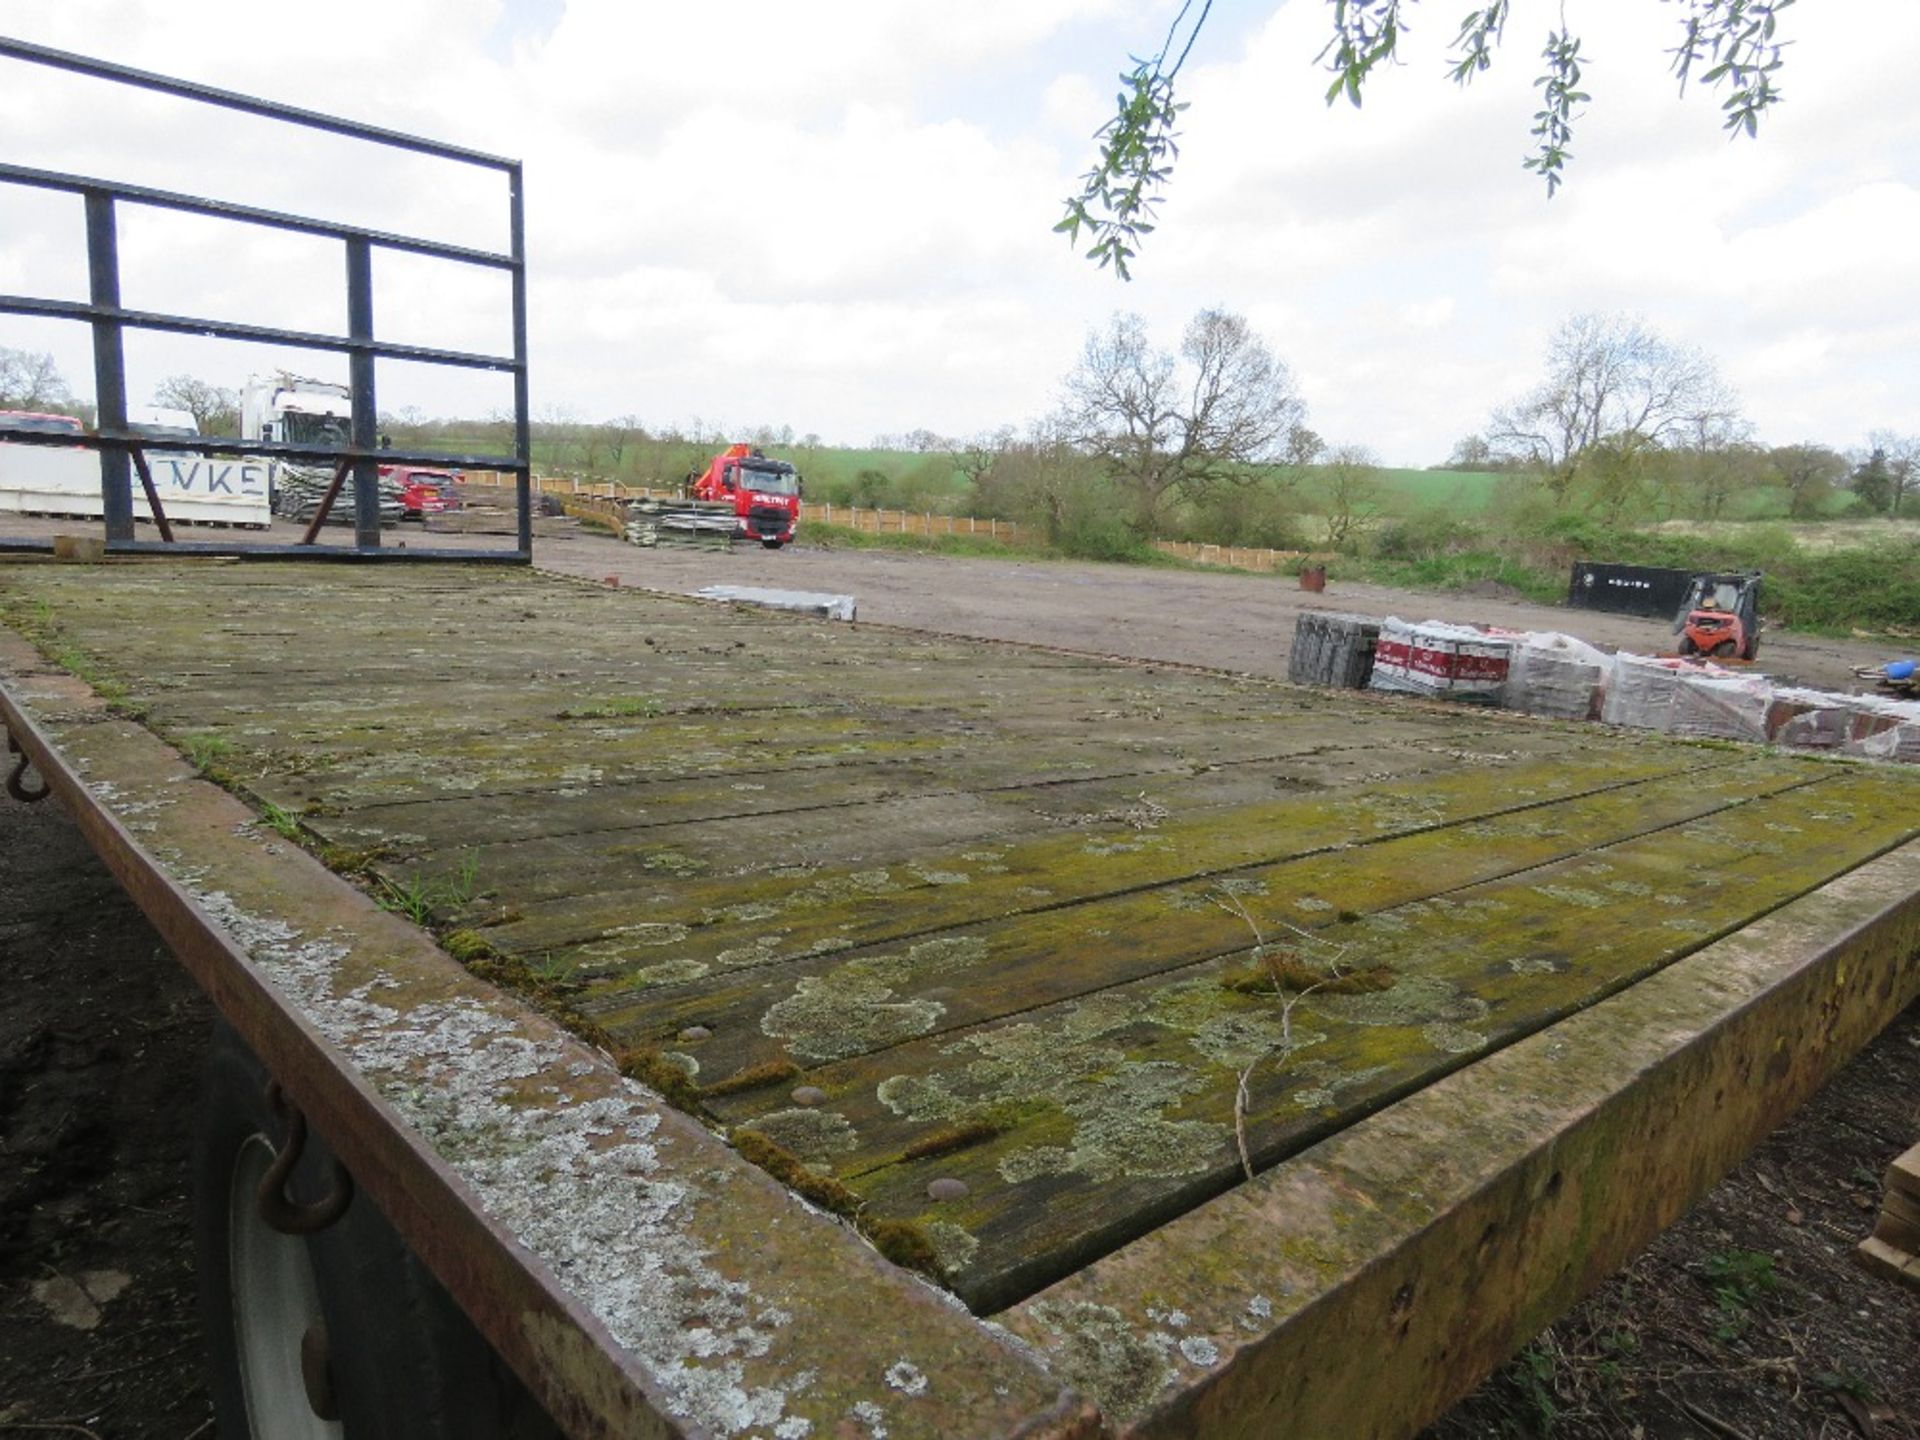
1629 448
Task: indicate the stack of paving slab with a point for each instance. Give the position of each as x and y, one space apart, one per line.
689 524
1676 698
299 489
1332 649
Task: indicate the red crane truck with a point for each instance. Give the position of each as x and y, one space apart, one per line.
765 493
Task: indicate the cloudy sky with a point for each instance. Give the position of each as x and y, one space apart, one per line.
836 216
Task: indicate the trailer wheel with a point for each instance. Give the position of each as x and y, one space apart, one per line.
343 1333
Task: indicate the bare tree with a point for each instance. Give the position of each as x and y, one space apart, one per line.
1169 426
1350 492
622 431
215 411
976 456
1608 375
29 380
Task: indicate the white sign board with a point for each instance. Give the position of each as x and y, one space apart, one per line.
58 480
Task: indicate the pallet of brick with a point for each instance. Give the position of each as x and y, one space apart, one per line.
687 524
1894 1247
1889 730
1810 719
1332 649
1721 707
1452 662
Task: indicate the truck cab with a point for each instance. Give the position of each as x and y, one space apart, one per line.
765 493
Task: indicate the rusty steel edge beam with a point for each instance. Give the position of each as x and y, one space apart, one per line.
482 1267
1365 1285
870 1320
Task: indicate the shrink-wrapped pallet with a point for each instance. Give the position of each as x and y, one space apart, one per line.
1723 707
1640 693
1434 658
1793 717
1886 730
1555 675
1332 649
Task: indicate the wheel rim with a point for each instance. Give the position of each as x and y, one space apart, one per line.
275 1304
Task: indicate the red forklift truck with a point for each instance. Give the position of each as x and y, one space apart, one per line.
1720 616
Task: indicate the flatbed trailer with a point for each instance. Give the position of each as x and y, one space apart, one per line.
1210 1056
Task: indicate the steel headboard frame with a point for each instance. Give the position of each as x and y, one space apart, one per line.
120 449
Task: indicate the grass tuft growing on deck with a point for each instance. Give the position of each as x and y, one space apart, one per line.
788 1168
653 1069
1284 972
754 1077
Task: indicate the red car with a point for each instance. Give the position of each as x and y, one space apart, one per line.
421 492
48 424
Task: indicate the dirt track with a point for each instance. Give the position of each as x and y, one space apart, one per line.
1229 620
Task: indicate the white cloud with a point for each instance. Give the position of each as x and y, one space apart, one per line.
837 215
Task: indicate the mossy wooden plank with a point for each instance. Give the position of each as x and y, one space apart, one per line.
1119 1106
833 1007
1054 789
757 920
935 814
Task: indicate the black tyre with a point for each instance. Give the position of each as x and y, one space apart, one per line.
773 544
1687 647
346 1322
1724 650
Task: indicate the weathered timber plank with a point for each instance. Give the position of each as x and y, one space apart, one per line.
1055 792
936 815
827 1008
1121 1103
778 918
642 1278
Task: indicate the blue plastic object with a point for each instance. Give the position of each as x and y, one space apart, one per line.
1900 670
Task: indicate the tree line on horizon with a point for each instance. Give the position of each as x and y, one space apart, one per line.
1208 440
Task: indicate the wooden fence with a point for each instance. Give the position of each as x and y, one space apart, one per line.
604 499
1238 557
